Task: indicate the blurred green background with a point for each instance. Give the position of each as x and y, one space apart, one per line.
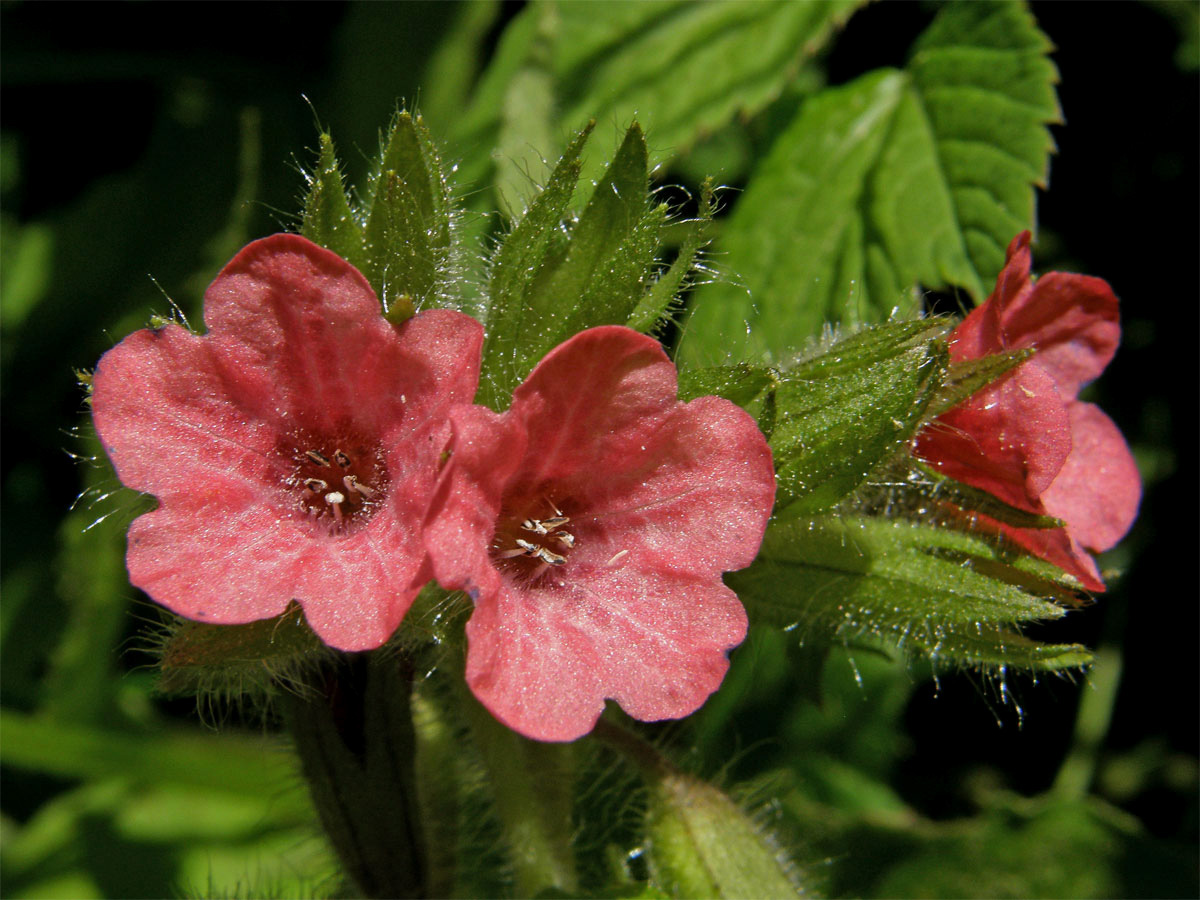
142 144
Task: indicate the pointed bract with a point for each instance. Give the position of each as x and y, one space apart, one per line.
292 448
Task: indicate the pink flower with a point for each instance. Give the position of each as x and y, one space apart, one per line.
1026 438
293 448
591 523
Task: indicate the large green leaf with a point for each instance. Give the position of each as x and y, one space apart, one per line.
683 69
934 591
898 179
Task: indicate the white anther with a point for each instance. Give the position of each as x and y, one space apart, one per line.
318 458
341 459
336 499
534 525
565 538
550 557
316 485
617 558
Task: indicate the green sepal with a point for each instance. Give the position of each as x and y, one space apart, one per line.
950 596
938 487
612 247
553 277
233 660
403 237
971 375
535 243
701 843
409 230
843 411
329 219
659 302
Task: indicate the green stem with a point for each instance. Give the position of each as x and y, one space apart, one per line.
353 730
531 784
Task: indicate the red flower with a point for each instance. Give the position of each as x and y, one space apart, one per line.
1026 438
293 448
591 523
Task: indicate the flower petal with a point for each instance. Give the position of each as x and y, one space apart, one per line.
1098 490
544 659
211 425
1072 320
982 332
1057 546
1010 439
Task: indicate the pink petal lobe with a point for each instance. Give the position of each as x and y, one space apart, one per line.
593 397
1098 491
982 332
543 660
1072 320
1011 439
486 449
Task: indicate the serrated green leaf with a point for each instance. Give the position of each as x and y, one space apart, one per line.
840 413
329 219
987 87
684 69
944 594
409 240
897 179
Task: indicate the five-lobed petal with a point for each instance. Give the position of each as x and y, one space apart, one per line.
1026 438
292 448
650 499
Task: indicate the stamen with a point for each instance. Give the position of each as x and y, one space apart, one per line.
336 499
535 525
549 557
352 485
316 485
555 522
617 558
341 459
319 458
565 538
528 548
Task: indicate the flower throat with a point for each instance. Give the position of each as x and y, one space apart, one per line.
529 547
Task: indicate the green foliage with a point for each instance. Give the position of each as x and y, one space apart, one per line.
553 276
840 413
402 235
940 593
683 69
702 844
856 194
900 178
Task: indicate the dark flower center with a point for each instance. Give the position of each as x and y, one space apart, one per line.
532 541
338 483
